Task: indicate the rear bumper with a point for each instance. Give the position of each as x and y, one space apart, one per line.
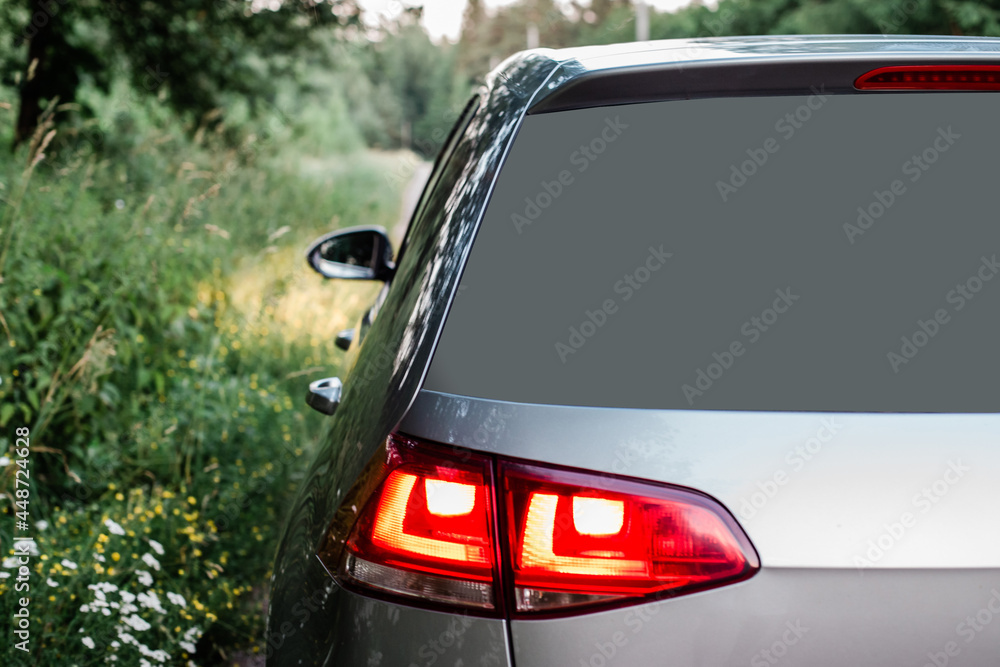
782 616
373 632
817 618
339 628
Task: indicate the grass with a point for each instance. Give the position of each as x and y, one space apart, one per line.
159 328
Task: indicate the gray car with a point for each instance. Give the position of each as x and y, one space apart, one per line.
688 357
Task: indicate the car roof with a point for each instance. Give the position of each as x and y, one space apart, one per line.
771 47
574 69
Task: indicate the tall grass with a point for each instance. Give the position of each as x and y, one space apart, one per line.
157 330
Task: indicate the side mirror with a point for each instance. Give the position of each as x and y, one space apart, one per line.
358 253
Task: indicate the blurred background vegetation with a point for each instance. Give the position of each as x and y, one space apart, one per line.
165 164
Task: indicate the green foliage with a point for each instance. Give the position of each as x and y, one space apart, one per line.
193 54
157 324
159 327
402 89
487 37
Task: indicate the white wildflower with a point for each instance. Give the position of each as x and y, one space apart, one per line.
145 578
157 547
4 461
103 587
65 562
99 558
41 524
128 598
158 655
177 599
10 562
51 582
151 561
88 642
189 639
150 601
113 527
85 609
136 623
4 575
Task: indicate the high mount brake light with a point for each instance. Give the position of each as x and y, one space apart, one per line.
931 77
423 523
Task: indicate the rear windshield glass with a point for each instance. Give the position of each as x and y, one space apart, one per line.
821 253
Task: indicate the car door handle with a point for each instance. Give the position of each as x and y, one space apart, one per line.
324 395
344 338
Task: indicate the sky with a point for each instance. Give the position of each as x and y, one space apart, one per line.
443 18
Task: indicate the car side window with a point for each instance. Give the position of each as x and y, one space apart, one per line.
440 163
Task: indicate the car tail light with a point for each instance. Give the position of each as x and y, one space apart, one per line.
425 531
931 77
579 539
423 523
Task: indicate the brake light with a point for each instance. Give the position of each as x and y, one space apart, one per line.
931 77
423 521
426 531
580 539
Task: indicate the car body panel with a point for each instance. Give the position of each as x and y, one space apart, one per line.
812 618
688 68
385 374
374 632
912 601
809 489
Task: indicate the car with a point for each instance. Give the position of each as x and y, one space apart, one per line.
688 357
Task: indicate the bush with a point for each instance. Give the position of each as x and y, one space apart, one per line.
159 328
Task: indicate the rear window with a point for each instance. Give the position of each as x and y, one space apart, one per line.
821 253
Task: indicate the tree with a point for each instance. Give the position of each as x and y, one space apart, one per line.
188 51
473 53
402 88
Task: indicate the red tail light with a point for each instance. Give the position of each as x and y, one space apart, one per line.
426 531
422 523
931 77
583 539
